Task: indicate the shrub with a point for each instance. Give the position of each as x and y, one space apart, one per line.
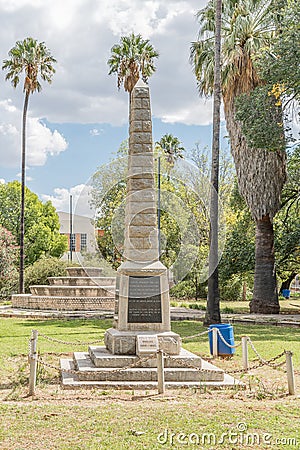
8 260
197 306
45 267
231 290
187 289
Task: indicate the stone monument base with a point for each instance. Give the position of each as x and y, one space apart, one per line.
98 368
125 342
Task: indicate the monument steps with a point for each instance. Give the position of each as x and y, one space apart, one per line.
90 292
62 303
82 281
73 291
84 271
88 372
72 381
101 357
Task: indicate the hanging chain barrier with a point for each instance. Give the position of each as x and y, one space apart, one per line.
34 358
226 343
197 335
92 372
267 362
59 341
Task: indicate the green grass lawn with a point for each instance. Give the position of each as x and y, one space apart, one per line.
95 419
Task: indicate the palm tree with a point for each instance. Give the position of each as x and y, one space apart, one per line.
246 28
212 314
172 148
33 59
132 57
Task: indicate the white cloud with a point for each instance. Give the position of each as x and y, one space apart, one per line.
95 132
41 141
81 195
28 178
82 91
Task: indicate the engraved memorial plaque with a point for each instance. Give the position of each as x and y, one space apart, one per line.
144 300
146 344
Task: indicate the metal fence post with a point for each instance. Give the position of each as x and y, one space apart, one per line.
160 372
33 361
245 353
290 373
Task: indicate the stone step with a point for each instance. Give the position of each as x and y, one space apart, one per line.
84 271
88 372
101 357
73 291
63 303
71 381
82 281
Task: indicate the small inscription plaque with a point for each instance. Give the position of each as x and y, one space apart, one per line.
146 344
144 300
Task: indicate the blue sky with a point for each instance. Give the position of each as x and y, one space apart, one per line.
77 123
87 150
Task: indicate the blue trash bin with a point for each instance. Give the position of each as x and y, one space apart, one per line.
227 332
286 293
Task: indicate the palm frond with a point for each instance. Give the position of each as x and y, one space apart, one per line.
31 58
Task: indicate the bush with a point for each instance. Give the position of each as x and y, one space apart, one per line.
231 290
8 261
45 267
197 306
187 289
183 289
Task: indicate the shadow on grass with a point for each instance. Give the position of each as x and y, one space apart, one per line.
255 332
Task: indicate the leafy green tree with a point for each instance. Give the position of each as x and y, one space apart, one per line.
238 259
33 59
132 57
8 259
287 226
278 65
247 27
42 235
45 267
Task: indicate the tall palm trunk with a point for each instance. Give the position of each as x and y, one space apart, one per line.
261 175
22 206
213 296
265 295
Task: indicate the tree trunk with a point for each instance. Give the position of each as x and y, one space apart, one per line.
261 175
287 283
22 207
213 296
265 296
244 297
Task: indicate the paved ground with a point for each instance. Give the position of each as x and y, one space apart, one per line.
177 313
270 319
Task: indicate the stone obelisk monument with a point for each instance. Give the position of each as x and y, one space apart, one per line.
142 300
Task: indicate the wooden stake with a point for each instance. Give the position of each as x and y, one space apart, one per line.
33 361
160 372
245 353
290 373
215 342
